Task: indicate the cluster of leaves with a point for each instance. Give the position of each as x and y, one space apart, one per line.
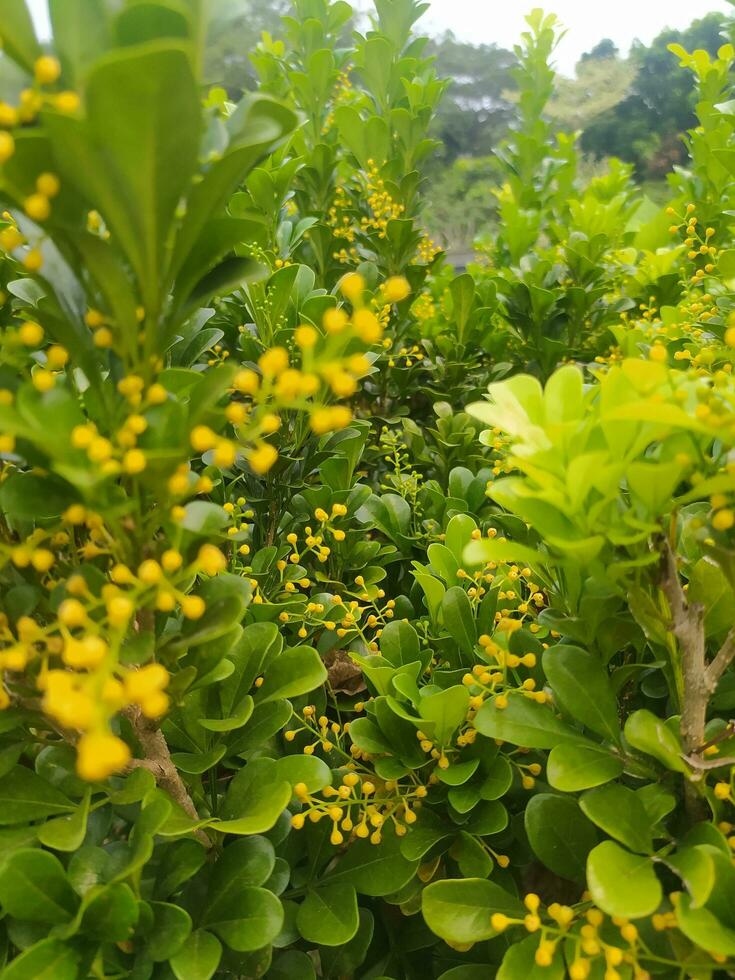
315 662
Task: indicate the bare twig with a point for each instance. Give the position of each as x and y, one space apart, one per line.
688 628
696 763
724 657
157 760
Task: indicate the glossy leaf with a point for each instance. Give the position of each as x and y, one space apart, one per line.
328 915
622 883
460 911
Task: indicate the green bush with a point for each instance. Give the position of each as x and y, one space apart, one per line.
319 658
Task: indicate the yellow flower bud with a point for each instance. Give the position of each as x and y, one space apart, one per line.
100 754
47 70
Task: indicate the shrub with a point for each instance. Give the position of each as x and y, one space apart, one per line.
316 661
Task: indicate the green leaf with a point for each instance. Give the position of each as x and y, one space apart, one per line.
519 963
621 814
582 687
295 671
33 886
294 964
149 21
399 644
25 496
255 799
48 960
17 34
66 833
244 862
647 733
560 835
622 883
498 779
375 869
695 867
145 119
246 918
170 929
459 772
227 597
471 857
195 763
501 550
458 619
447 710
328 915
346 959
198 958
111 913
524 722
233 721
304 769
80 33
462 289
458 535
571 767
460 911
703 928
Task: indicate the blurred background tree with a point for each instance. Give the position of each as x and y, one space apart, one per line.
632 107
644 127
235 29
476 110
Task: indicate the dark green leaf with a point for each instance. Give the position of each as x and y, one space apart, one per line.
560 835
328 915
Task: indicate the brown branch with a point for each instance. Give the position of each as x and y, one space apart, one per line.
723 658
157 760
688 628
696 763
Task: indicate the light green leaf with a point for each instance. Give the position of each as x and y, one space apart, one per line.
524 722
695 867
66 833
33 886
622 883
519 963
573 767
459 911
198 958
647 733
446 709
50 959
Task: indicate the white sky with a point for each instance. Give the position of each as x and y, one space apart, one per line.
587 21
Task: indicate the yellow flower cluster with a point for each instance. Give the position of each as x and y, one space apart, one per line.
323 369
47 72
362 805
427 251
12 240
75 654
362 211
604 946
